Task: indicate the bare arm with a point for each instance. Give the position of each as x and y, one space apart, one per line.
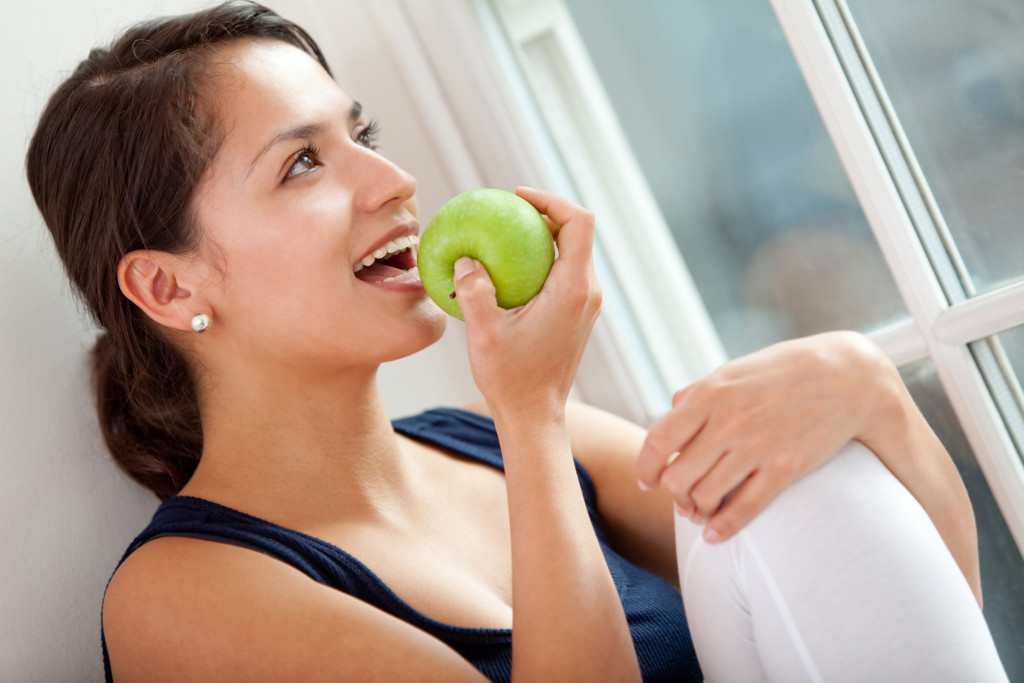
568 621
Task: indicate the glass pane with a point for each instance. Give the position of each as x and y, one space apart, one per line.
743 170
954 72
1001 360
1002 569
1012 342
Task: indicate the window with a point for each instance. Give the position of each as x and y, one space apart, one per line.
869 183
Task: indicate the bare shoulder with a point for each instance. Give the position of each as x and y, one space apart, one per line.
190 609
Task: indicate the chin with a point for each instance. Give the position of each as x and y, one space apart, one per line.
430 325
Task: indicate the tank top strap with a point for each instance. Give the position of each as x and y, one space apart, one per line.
473 436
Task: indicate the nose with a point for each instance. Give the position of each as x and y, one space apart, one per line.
381 182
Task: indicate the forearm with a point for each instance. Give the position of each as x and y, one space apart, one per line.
568 622
902 439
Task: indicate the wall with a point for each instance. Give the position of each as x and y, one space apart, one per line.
66 513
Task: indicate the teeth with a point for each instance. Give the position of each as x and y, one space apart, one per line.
392 247
412 272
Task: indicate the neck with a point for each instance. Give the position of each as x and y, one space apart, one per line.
297 445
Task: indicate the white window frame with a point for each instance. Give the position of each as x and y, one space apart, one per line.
657 336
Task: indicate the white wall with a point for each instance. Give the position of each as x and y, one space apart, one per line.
66 512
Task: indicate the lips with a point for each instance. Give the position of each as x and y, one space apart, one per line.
395 260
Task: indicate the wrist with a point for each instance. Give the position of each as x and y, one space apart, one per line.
523 409
890 414
883 404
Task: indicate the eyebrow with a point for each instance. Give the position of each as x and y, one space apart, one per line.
303 132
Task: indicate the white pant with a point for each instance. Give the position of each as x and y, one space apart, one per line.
842 578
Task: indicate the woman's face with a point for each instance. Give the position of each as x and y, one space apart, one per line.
293 203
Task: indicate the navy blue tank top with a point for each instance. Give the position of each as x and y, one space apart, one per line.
654 610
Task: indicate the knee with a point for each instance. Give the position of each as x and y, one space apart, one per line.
852 495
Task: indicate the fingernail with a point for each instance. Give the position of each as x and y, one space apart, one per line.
697 518
643 486
680 511
710 535
463 267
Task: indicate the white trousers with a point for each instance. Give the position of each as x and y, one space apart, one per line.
842 578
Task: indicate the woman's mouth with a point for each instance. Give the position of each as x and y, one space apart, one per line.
393 262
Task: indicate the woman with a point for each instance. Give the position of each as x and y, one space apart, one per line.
217 201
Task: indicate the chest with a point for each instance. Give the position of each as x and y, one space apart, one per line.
451 561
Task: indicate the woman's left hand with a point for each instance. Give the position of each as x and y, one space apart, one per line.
735 439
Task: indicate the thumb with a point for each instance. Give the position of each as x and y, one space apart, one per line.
474 290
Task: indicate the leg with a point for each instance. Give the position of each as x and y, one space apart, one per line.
842 578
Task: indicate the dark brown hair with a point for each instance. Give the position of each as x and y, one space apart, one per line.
113 166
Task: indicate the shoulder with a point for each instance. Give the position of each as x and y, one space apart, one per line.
190 609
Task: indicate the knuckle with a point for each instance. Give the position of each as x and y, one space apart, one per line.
705 500
675 480
657 442
784 467
586 219
709 389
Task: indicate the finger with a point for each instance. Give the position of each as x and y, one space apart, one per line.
669 435
682 475
678 396
719 480
475 292
748 501
575 243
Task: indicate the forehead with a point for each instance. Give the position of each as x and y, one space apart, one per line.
266 86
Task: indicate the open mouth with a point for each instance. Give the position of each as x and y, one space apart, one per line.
394 261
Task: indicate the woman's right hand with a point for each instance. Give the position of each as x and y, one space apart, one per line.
528 356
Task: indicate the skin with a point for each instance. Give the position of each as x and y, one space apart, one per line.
295 430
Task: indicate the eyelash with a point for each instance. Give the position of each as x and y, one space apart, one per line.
310 151
367 138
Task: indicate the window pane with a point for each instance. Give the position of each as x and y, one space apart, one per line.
1001 360
954 72
1002 570
728 138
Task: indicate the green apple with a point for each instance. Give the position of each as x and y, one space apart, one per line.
500 230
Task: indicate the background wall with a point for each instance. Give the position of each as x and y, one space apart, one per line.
66 512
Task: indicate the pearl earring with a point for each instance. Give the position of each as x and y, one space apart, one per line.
200 322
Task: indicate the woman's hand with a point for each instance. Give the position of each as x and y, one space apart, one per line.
528 356
759 423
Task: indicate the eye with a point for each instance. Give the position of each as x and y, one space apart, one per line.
308 159
367 137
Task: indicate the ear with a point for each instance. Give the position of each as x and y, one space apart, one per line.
158 283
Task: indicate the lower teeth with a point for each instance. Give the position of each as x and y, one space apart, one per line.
412 272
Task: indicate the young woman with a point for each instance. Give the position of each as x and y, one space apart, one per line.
218 203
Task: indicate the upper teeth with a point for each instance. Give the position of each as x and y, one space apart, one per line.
392 247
